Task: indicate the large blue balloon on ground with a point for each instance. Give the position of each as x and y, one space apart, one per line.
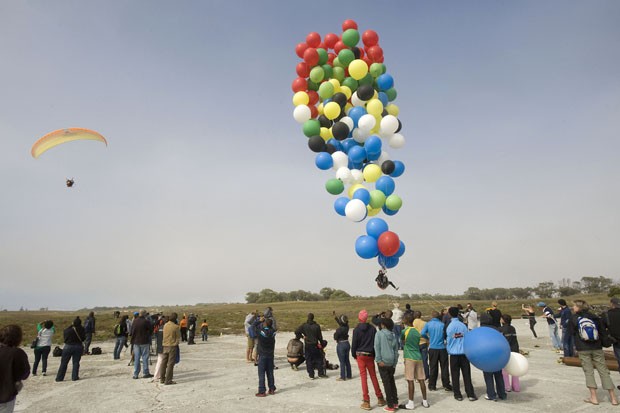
487 349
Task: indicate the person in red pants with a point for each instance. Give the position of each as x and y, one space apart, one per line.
363 351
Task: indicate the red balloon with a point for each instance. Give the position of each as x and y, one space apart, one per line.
314 112
322 46
367 60
375 53
339 46
388 243
349 24
313 39
370 38
311 56
300 49
300 84
331 39
302 69
314 98
330 58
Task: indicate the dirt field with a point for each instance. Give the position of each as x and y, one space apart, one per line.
214 376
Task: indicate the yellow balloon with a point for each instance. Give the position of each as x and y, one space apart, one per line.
375 95
336 84
372 172
392 109
377 125
374 107
319 108
331 110
347 91
301 98
354 188
372 211
326 134
358 69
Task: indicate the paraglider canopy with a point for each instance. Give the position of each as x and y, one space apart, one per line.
61 136
70 182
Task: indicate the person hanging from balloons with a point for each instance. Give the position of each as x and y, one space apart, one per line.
70 182
382 280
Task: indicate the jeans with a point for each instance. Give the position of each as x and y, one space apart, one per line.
118 347
265 368
342 349
437 358
459 363
205 336
424 352
8 407
87 341
141 352
71 352
40 354
568 343
497 389
398 328
367 364
314 360
555 339
387 377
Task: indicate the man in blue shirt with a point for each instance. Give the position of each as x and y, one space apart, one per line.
455 335
568 340
434 331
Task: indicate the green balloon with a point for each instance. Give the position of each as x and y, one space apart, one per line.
326 90
350 83
367 80
338 73
312 127
377 199
351 37
376 69
393 202
334 186
312 85
329 71
322 56
345 57
391 94
336 63
317 74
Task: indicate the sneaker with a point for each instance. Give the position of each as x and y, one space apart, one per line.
147 376
168 383
425 403
459 398
365 405
312 378
388 409
272 392
381 402
408 406
432 388
43 374
340 379
259 394
294 367
135 377
448 388
472 399
34 374
486 397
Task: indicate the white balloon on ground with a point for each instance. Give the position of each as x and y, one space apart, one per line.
358 176
389 125
344 174
359 135
366 122
340 159
396 141
356 210
302 113
517 365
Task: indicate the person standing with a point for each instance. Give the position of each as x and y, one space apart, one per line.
311 332
589 334
268 314
397 318
266 337
386 357
471 317
183 326
419 324
170 341
494 380
251 336
14 366
459 363
363 351
141 343
510 333
191 328
434 331
613 326
531 316
204 330
496 315
553 326
120 332
414 367
159 345
343 347
73 350
89 331
45 333
568 340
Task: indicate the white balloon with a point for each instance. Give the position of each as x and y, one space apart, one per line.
358 176
383 157
517 365
340 159
366 122
348 121
356 210
356 101
396 141
302 113
344 174
359 135
389 124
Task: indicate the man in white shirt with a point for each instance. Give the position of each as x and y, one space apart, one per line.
397 318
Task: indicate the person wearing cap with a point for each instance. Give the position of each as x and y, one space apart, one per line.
568 340
363 351
343 347
386 357
455 337
613 326
311 332
552 324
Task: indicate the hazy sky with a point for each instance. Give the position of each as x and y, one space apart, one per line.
207 190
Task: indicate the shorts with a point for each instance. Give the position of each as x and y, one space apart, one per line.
250 342
414 370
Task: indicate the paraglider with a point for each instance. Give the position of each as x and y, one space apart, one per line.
382 280
70 182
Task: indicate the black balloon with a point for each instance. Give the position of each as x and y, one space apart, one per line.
340 130
316 144
400 126
387 167
329 148
325 123
340 98
356 52
385 112
365 92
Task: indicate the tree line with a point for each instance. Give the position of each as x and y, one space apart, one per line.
562 288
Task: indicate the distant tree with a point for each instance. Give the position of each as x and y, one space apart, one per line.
339 295
473 293
545 289
405 297
326 292
251 298
596 285
520 293
614 291
566 291
267 296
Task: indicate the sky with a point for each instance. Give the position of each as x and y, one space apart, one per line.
207 190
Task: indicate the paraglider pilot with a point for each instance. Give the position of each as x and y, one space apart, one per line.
70 182
382 280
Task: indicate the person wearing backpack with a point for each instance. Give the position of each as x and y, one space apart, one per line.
588 332
120 332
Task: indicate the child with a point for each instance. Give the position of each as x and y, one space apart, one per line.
511 335
204 330
266 337
386 356
414 367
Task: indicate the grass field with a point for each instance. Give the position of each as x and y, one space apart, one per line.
228 318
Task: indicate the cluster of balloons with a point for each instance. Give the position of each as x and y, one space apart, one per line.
488 350
343 98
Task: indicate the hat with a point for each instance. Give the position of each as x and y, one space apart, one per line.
363 316
615 301
136 313
541 304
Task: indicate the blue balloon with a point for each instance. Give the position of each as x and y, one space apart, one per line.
347 144
336 144
383 98
373 156
386 185
389 212
385 82
376 227
399 168
355 113
353 165
487 349
323 161
401 250
373 145
362 194
357 154
387 262
366 247
340 204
